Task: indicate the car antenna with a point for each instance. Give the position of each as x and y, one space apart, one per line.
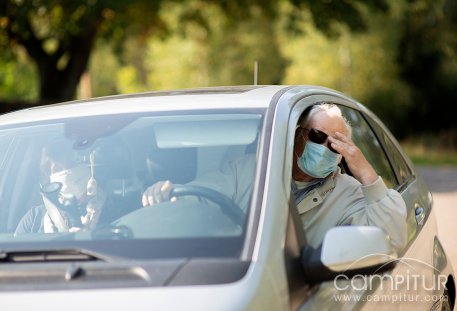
256 72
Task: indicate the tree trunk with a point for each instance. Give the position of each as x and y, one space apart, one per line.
58 85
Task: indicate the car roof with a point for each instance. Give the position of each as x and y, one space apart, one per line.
227 97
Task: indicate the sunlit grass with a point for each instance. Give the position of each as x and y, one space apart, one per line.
422 154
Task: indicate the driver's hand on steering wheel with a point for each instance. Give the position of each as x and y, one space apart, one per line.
157 193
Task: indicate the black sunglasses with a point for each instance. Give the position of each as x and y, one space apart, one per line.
318 137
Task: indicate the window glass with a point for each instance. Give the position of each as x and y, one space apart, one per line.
366 140
398 161
82 179
6 142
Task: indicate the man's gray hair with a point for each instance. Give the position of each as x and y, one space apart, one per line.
330 108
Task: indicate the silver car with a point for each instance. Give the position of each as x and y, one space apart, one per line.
203 251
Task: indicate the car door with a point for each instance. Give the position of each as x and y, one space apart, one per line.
419 278
414 191
385 155
381 150
325 296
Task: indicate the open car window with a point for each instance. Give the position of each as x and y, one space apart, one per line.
364 137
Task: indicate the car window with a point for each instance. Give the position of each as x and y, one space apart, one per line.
82 179
398 161
6 141
364 137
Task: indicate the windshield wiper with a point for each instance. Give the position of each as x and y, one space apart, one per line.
51 255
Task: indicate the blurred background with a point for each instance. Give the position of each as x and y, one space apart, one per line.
398 57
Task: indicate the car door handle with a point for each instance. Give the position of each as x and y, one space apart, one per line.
420 214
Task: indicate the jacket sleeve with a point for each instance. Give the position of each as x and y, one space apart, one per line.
376 205
234 179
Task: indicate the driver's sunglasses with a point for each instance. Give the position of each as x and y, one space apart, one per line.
318 137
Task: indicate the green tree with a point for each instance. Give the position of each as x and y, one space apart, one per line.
427 56
59 36
244 31
229 44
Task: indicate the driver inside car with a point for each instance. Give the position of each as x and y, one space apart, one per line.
324 196
81 198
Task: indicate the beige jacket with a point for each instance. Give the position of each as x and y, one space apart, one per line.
341 200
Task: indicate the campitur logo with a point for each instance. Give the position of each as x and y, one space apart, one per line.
413 281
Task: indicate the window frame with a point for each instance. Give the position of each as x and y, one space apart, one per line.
382 147
378 126
295 237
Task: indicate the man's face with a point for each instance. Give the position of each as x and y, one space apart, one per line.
321 121
74 180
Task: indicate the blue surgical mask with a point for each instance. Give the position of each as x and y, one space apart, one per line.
318 161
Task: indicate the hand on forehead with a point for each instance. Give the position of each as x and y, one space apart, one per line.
328 122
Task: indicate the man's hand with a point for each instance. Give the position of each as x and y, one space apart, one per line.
356 161
94 209
158 192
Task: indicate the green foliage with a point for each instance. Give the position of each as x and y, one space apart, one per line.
428 63
59 35
182 64
212 49
396 56
234 48
432 149
362 65
103 69
328 16
17 78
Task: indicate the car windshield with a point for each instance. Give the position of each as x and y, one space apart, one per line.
78 183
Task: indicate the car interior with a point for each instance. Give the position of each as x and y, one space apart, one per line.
149 160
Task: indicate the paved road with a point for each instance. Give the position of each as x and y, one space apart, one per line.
443 184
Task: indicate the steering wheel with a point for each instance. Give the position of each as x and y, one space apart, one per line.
227 205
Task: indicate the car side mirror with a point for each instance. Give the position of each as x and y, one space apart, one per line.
348 250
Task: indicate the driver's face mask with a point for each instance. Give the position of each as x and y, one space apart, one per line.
317 160
74 181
